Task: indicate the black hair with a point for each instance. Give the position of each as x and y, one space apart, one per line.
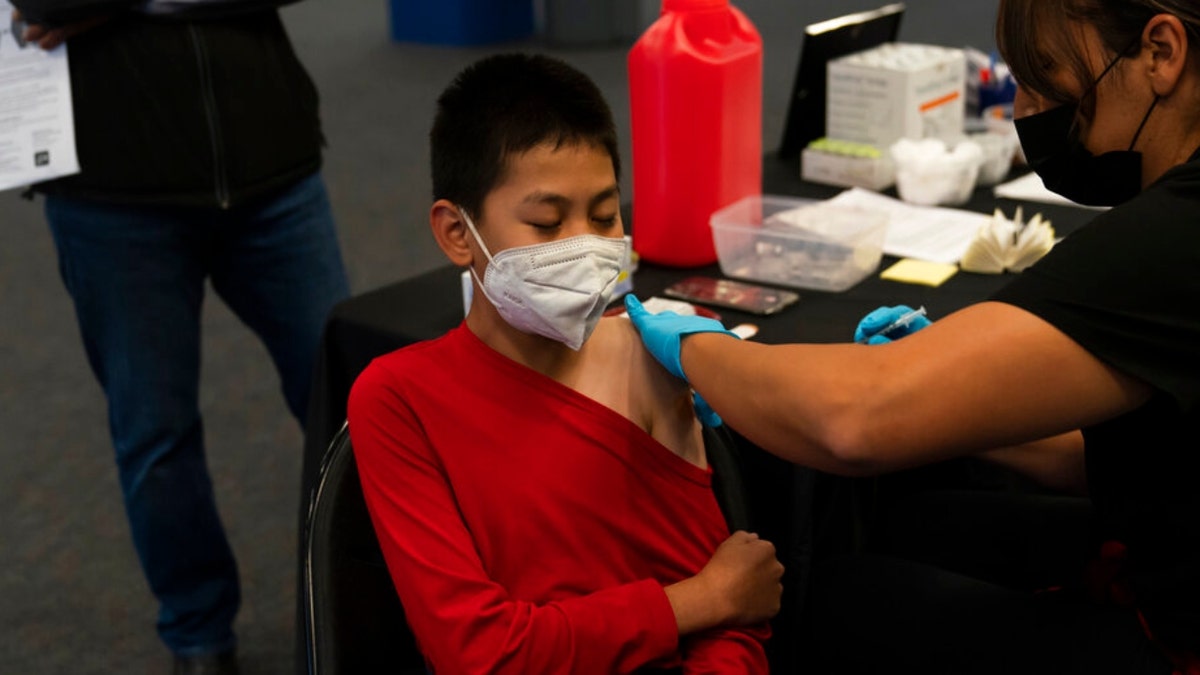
504 105
1032 33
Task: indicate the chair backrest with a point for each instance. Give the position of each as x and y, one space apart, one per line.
354 622
721 447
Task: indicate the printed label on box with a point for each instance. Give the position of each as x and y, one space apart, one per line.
895 91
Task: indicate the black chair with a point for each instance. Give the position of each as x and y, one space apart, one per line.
353 621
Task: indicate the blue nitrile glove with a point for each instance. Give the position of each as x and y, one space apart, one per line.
868 329
704 412
663 333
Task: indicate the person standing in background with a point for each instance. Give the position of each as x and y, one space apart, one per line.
199 142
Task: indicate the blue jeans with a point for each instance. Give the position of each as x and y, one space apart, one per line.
137 277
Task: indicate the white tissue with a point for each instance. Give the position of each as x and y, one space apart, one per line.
928 173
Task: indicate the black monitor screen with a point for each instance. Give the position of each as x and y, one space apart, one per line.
824 42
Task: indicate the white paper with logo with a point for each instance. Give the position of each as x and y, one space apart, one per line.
37 128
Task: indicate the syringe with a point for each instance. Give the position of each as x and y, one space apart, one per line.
901 322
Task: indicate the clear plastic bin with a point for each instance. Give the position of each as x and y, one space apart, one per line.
802 243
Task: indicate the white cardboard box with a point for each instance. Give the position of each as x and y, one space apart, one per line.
896 90
877 173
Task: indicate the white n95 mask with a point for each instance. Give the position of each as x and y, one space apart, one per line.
558 289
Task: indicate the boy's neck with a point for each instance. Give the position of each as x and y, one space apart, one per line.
544 355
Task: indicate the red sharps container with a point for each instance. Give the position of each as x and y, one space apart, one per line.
695 93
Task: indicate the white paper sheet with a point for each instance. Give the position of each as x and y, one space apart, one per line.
1030 188
932 233
37 128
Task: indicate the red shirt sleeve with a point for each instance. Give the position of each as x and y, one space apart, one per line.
726 651
465 622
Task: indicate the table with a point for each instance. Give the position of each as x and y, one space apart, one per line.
426 306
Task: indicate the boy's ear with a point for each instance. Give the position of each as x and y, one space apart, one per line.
450 232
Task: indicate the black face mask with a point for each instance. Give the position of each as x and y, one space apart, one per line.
1054 151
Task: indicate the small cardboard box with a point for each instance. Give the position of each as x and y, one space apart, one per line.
896 90
872 173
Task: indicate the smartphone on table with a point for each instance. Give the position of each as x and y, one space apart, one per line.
737 295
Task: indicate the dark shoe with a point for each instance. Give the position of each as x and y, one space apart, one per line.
224 663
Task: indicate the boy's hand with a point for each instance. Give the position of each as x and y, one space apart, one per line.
739 586
744 578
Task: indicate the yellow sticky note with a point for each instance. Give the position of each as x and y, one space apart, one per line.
923 272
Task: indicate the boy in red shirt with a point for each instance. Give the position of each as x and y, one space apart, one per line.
537 481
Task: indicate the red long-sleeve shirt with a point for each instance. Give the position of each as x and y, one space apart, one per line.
528 528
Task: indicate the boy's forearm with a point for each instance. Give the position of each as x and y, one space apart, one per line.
694 605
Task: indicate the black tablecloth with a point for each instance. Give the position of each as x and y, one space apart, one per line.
427 305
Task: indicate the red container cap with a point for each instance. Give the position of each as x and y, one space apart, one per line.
685 5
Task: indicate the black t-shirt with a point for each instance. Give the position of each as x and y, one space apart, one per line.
1126 287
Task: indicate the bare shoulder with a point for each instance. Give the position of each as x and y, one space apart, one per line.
626 339
660 400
